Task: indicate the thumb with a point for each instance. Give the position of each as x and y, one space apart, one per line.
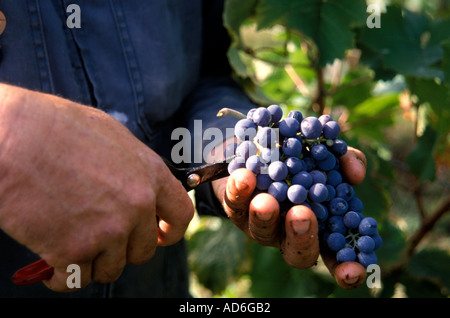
237 194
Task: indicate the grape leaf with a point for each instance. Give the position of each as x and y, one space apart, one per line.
328 23
206 257
431 264
401 43
272 277
421 159
438 96
235 13
370 117
446 59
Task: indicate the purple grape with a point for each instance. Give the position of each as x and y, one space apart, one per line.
319 152
336 241
236 163
267 137
339 147
320 211
269 155
254 164
366 259
289 127
311 127
295 114
318 192
245 129
246 149
261 116
263 181
346 254
278 171
368 226
303 178
345 191
292 147
278 190
365 244
294 165
276 113
338 206
352 219
331 130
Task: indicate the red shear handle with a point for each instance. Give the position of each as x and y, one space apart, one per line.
33 273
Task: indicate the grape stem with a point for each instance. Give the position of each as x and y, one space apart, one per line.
353 238
230 112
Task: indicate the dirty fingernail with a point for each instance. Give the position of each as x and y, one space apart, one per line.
300 227
241 183
266 216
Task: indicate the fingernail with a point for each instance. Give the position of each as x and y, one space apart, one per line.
241 183
264 216
351 280
300 227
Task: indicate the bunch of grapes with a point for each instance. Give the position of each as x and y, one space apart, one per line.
296 160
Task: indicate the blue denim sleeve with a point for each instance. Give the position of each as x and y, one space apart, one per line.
213 94
216 89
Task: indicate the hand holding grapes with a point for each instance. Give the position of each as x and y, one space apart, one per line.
284 212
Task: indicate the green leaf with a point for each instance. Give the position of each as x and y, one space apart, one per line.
373 191
235 13
431 264
328 23
401 43
217 255
421 159
272 277
236 61
446 60
421 287
394 241
438 96
373 115
349 94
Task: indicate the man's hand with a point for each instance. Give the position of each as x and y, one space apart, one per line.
78 188
259 217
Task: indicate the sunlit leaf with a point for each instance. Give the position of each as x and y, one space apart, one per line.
328 23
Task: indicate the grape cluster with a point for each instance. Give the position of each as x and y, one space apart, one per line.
296 160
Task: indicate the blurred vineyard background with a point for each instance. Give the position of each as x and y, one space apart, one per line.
389 88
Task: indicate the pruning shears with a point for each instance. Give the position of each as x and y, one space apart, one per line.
190 178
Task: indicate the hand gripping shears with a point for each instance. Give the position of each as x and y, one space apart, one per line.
190 178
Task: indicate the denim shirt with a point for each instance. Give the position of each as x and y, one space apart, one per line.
154 65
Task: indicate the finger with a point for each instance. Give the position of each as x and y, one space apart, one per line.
348 275
264 220
108 266
66 280
175 211
354 165
300 248
238 193
142 241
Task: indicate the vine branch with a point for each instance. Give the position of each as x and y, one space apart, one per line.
319 102
426 226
